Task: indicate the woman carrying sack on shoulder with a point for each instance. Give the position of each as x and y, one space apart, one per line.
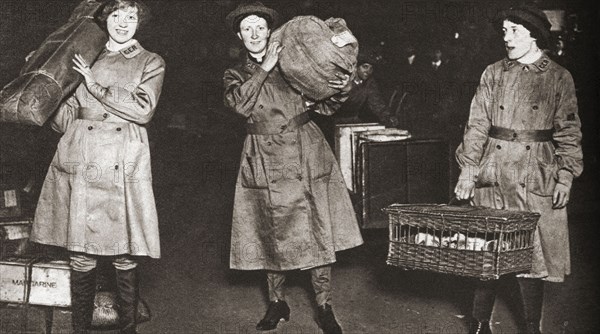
97 200
291 209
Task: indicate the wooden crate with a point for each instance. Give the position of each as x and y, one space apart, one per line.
44 283
346 138
406 171
10 202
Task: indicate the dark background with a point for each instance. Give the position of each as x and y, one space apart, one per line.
197 47
196 142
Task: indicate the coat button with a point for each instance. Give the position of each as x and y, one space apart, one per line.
522 185
273 181
496 184
118 129
501 107
269 143
498 146
90 127
300 177
260 106
535 107
117 167
105 115
528 147
283 127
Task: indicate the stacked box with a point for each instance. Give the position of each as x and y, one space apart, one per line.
43 283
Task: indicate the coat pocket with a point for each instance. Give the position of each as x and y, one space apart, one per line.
542 178
69 152
252 173
488 174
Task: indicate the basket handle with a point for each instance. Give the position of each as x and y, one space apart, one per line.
458 202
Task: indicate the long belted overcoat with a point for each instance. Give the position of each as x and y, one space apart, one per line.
97 197
292 209
521 175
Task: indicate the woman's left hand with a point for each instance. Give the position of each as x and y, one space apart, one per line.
341 83
560 197
84 69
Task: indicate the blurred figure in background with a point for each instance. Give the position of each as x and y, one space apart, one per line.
561 55
436 96
407 98
365 103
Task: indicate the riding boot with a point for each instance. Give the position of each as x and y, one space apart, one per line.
483 304
83 291
127 299
532 298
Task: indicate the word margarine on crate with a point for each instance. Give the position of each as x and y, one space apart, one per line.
48 283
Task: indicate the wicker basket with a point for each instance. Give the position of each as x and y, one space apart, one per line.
467 241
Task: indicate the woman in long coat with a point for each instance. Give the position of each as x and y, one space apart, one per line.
521 150
97 199
292 209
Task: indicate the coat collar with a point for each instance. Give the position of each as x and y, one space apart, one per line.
540 65
128 52
132 51
250 62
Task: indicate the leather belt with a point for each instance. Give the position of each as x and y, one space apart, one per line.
275 128
521 135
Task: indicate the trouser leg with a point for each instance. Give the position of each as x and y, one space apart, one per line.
278 308
127 293
276 279
483 299
532 299
83 291
321 282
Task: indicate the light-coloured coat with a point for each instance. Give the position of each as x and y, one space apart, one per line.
97 197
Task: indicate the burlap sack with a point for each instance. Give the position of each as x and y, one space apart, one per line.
47 77
314 50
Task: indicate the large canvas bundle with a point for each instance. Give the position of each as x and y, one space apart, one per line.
314 50
47 77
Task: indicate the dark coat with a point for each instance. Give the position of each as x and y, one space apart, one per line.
364 104
292 209
517 175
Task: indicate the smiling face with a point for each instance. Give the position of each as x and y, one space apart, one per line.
364 71
517 40
122 24
254 32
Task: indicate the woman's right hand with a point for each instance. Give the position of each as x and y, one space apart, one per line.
272 56
465 189
84 69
